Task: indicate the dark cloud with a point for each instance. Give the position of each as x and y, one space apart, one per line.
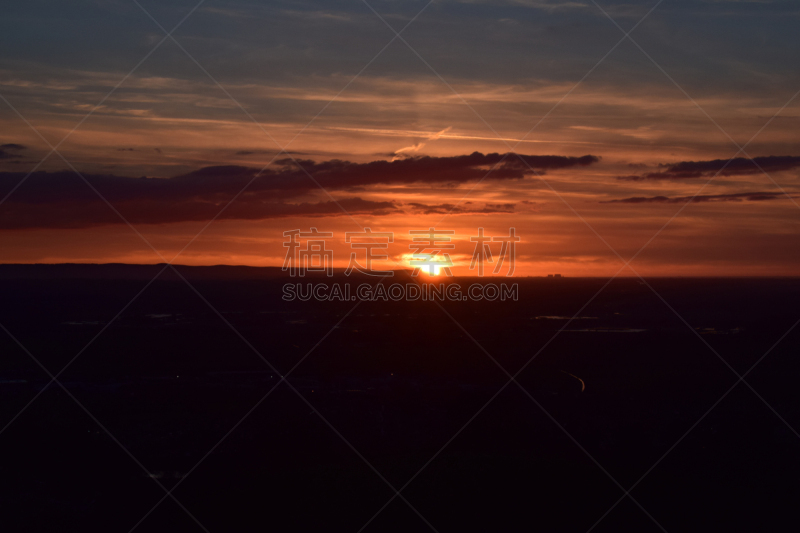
737 197
660 176
725 167
286 179
61 199
738 165
92 211
283 180
456 169
461 209
265 152
10 147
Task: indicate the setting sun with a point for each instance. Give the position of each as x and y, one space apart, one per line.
221 221
429 264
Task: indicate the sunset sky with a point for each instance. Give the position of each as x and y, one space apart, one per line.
535 114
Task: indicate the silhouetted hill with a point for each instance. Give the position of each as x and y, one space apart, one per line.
122 271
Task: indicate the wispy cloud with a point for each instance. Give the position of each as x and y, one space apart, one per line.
734 197
399 154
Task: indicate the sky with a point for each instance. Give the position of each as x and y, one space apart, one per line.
676 146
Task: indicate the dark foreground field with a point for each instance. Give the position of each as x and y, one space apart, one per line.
388 400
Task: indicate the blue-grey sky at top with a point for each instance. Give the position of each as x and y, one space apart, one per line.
512 61
707 45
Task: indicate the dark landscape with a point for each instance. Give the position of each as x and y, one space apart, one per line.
600 199
378 401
